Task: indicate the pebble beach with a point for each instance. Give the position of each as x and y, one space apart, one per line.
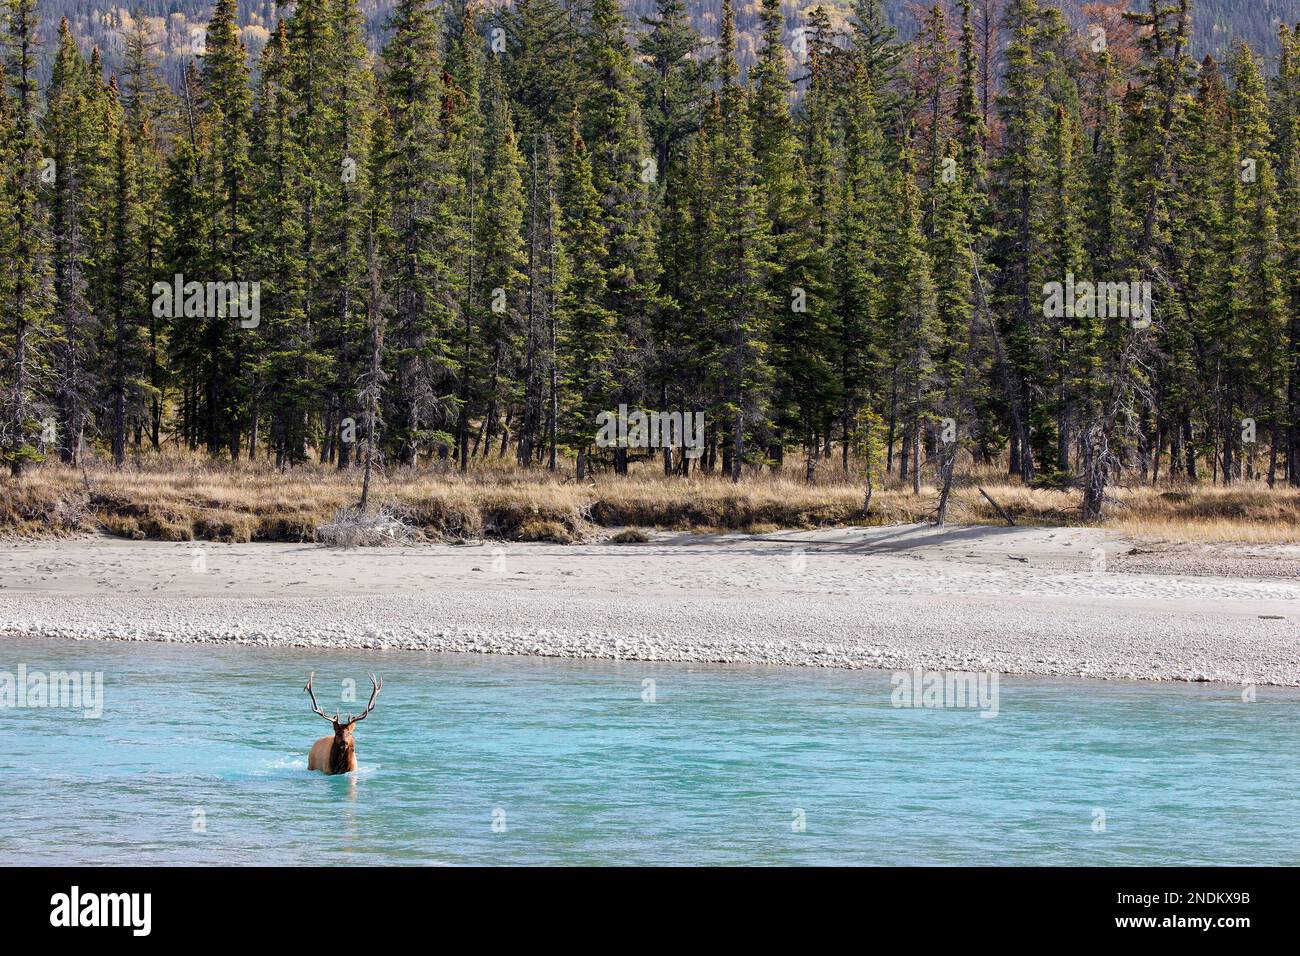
1037 601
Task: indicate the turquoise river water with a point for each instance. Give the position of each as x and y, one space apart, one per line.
200 757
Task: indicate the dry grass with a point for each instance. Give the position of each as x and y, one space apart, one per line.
181 498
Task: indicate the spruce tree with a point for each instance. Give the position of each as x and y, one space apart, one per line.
503 261
622 170
797 327
69 126
861 326
290 365
588 329
227 106
25 273
740 253
1263 311
425 286
348 90
910 295
149 107
1288 153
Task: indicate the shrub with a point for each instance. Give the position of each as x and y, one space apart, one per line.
354 528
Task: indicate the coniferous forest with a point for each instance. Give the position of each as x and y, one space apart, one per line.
468 245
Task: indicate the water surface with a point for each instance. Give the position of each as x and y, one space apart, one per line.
200 757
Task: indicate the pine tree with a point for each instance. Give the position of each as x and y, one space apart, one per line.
343 198
24 247
674 79
1019 185
1263 312
290 365
464 196
862 329
125 346
674 101
187 199
801 396
541 64
545 278
622 168
971 128
379 238
819 128
952 255
227 105
1288 151
149 107
588 329
503 261
1208 272
910 295
310 44
1069 337
69 126
424 283
879 53
739 258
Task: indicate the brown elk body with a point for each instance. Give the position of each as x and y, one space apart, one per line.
338 753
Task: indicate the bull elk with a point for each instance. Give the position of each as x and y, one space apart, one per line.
338 754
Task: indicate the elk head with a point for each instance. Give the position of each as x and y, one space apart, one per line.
338 754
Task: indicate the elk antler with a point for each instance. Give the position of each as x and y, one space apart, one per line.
315 706
378 685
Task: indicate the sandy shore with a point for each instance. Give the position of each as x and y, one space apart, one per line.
1021 601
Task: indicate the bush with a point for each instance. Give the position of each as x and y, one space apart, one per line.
540 530
353 528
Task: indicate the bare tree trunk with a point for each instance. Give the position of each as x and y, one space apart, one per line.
374 382
942 514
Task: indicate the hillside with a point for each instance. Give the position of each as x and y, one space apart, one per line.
1218 23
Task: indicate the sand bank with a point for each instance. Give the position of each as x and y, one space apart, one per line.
1048 601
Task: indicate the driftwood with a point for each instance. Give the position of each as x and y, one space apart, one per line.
998 508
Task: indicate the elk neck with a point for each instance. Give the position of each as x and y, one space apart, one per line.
341 755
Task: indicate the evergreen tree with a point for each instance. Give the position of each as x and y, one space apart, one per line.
675 99
149 108
801 399
290 366
622 169
424 283
1288 152
1262 317
70 133
1017 251
674 80
122 295
227 106
24 247
861 326
501 249
739 256
344 211
910 295
588 329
